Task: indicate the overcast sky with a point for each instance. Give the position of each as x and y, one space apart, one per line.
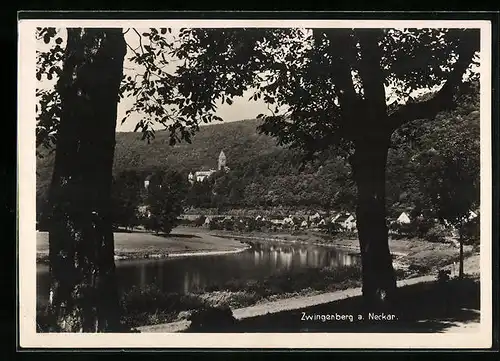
241 108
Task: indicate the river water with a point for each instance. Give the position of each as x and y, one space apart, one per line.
194 274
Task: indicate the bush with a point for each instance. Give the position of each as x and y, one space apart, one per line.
419 227
470 232
211 319
151 299
436 234
444 276
419 269
235 299
199 221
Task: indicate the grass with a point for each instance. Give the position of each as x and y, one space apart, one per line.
430 307
149 305
142 244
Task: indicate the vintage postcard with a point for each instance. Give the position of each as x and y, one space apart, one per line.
254 183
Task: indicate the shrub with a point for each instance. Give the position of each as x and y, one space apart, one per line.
444 275
419 227
151 299
199 221
470 231
419 269
436 234
211 319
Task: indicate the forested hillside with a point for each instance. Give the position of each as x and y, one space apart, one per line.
240 141
263 174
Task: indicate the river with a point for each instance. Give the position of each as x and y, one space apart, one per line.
194 274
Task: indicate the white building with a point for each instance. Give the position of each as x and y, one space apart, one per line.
346 221
201 175
349 223
403 218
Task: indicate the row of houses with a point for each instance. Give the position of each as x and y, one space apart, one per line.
341 220
404 218
344 220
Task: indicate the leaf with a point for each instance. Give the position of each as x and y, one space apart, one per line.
260 116
137 126
163 30
229 101
58 41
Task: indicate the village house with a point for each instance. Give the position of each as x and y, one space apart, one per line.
403 218
346 220
144 211
201 175
147 181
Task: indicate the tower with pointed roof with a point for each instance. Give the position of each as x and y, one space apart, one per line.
222 160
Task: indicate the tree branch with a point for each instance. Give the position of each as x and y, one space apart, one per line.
140 40
341 49
443 99
370 71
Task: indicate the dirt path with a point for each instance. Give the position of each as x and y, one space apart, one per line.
287 304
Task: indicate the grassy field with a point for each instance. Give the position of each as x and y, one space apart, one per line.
142 244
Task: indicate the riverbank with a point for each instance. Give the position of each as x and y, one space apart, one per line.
149 306
408 254
182 242
268 309
273 294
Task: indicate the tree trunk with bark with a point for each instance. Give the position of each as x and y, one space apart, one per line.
461 261
369 166
83 290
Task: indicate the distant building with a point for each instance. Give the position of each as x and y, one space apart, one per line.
201 175
472 215
403 218
147 181
315 218
346 221
222 161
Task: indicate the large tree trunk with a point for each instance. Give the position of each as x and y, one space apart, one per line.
83 290
461 262
369 166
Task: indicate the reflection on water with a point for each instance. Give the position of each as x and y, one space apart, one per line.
194 274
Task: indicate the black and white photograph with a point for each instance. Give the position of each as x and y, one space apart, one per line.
254 183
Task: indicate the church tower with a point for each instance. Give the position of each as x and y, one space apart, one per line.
222 161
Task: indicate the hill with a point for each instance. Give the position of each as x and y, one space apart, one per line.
239 140
263 175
